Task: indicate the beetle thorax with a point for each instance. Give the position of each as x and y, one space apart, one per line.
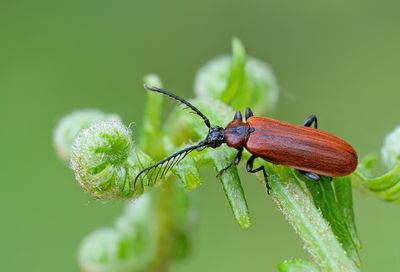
237 133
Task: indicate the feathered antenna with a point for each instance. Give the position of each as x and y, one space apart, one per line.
163 166
159 169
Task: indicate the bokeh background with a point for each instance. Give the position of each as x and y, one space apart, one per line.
338 60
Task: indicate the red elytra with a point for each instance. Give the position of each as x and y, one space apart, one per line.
303 148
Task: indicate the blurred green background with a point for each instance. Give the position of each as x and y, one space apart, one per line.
338 60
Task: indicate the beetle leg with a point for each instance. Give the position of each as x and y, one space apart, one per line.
249 113
310 175
249 168
238 116
235 161
310 120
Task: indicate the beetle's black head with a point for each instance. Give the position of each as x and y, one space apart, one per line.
215 137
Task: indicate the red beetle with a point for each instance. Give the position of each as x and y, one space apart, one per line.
311 151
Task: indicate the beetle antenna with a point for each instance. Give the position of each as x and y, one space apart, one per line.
183 101
168 163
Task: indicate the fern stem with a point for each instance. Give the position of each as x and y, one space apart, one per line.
294 201
164 225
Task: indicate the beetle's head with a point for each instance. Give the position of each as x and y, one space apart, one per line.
215 137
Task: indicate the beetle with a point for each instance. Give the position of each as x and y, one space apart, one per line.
313 152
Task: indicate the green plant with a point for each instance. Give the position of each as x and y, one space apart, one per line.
386 186
155 229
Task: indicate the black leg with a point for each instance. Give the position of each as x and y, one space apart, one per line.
238 115
235 161
249 113
249 168
310 175
310 120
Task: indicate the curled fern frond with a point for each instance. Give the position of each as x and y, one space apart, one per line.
386 186
70 125
105 161
130 245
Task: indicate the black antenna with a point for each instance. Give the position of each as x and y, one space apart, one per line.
165 164
183 101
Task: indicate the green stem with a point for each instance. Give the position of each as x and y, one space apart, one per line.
164 225
296 203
